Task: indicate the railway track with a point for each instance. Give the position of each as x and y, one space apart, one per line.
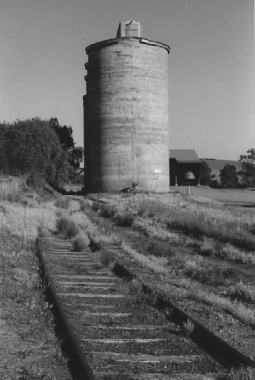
111 329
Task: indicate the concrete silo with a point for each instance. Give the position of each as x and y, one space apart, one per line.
126 130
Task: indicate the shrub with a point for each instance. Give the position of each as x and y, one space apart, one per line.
67 227
63 203
80 242
106 258
95 206
84 206
43 232
158 251
124 220
107 211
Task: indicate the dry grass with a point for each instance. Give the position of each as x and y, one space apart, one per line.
23 221
13 189
195 290
157 264
172 268
242 374
225 232
205 273
22 297
156 229
212 247
241 292
210 219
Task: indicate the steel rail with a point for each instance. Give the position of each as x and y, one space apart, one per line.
220 350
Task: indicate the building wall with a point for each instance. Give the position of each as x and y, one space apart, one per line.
127 129
178 172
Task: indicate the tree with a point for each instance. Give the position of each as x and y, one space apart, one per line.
65 135
228 176
31 147
248 167
205 174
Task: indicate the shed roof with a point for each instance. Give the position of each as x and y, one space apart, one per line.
184 155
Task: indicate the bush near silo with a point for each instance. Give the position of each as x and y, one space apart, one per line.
80 242
67 227
95 206
124 219
107 211
63 203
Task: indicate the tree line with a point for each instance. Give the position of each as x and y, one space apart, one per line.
43 150
229 177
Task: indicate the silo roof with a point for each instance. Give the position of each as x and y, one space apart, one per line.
115 41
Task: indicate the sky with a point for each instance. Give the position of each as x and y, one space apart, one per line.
211 64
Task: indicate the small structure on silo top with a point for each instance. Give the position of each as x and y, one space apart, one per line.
126 128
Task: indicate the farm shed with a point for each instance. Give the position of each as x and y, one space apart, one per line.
184 167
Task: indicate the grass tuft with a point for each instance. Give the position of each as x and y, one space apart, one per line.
242 374
188 327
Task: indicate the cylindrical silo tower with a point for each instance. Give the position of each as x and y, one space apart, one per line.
126 128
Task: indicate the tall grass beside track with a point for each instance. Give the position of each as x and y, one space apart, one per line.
211 220
183 272
153 218
12 189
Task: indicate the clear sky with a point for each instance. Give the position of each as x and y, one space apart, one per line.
211 64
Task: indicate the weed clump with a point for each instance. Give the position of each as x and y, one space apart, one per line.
106 258
67 227
95 206
107 211
84 205
63 203
124 220
80 242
